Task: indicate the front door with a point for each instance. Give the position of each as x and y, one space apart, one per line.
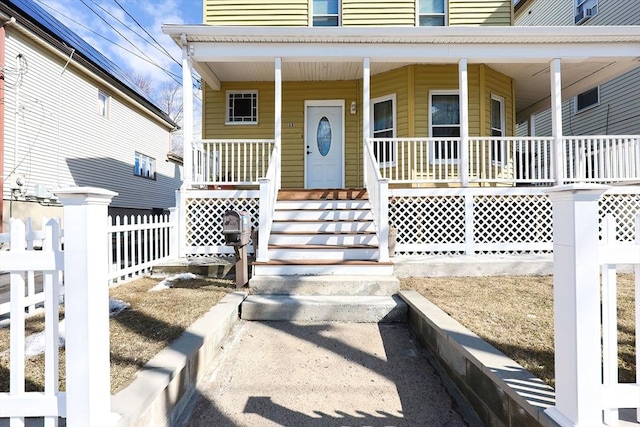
324 144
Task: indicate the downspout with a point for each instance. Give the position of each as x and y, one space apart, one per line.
3 33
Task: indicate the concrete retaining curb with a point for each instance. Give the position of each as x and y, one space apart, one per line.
501 391
164 386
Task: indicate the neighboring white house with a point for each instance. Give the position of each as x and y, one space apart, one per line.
72 118
612 108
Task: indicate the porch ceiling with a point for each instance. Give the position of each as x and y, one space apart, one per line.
590 55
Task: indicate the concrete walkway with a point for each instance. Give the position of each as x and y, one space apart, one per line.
324 374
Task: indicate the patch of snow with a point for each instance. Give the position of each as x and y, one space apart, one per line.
168 282
116 306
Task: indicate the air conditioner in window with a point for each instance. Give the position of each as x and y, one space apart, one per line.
586 14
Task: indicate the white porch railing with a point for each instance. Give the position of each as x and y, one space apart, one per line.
586 346
269 186
231 161
378 189
508 160
602 158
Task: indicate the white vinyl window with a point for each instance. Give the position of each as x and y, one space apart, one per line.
383 120
585 10
103 104
497 128
144 166
242 107
587 100
326 13
444 107
432 13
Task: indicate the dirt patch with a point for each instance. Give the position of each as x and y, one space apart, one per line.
152 321
515 315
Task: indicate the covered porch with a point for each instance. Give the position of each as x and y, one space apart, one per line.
544 66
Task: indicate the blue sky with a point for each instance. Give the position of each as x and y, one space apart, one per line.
114 39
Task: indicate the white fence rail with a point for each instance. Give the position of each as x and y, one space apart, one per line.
138 243
586 346
20 260
219 162
602 158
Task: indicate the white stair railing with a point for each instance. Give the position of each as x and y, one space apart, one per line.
269 187
378 189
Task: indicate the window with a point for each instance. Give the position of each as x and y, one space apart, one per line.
584 10
445 123
103 104
497 128
326 13
431 13
242 107
587 99
383 118
145 166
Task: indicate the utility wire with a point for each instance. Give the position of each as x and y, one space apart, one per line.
143 29
173 75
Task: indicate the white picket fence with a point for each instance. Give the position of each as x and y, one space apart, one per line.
23 258
586 322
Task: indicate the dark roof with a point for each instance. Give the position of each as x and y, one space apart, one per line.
45 25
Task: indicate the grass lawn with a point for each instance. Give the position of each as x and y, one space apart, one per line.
138 333
515 315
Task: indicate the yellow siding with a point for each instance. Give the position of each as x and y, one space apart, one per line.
256 13
480 12
399 13
294 95
411 86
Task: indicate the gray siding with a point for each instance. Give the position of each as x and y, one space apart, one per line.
63 141
619 110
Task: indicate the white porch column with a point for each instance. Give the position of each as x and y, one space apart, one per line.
532 125
463 84
86 249
187 115
576 292
366 99
556 121
277 135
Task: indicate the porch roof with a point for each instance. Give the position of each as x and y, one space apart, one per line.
590 55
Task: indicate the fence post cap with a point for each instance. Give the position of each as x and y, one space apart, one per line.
84 195
571 190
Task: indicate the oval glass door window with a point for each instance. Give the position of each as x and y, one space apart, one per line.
323 136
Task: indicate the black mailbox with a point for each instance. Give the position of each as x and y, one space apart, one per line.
236 228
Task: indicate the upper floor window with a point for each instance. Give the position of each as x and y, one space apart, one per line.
445 124
587 99
103 104
144 166
497 128
242 107
326 13
431 13
584 10
383 118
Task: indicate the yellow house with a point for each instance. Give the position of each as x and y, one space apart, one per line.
388 95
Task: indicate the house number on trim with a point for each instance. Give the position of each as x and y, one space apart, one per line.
289 125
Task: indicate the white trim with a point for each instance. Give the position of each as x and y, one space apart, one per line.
392 98
240 92
429 117
324 103
503 129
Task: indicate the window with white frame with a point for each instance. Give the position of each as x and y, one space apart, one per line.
497 128
431 13
383 120
587 99
326 13
103 104
144 166
584 10
444 107
242 107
